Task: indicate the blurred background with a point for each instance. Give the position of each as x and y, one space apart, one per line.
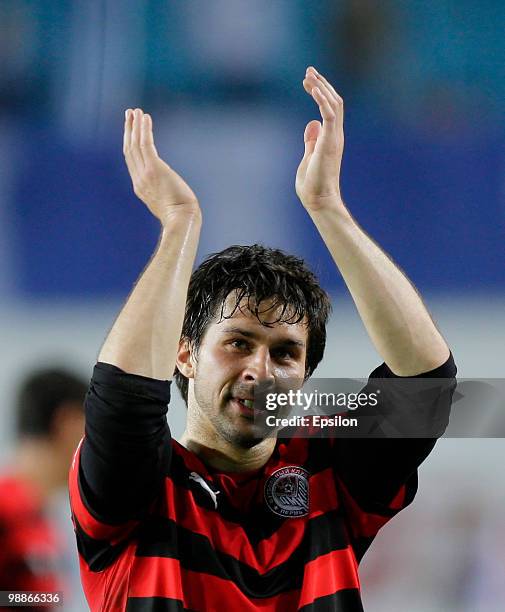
423 173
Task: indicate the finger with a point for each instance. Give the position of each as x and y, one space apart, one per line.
127 130
327 139
147 147
135 140
312 130
325 108
335 101
314 79
130 163
326 83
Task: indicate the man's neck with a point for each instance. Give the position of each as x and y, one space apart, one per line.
228 457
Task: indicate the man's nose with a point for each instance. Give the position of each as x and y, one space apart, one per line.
259 366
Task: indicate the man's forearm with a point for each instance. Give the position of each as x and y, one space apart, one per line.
391 309
145 336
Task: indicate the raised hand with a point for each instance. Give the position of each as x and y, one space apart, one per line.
161 189
318 175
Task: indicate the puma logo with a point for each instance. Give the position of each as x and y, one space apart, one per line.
213 494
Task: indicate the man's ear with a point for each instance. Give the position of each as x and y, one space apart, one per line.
184 360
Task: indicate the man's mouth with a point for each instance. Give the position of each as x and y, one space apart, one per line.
244 406
244 401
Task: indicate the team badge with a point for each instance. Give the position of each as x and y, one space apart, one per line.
287 491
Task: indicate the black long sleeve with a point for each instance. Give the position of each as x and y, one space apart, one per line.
374 468
126 449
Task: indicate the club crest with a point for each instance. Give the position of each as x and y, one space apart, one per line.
287 491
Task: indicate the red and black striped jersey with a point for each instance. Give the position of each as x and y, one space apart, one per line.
157 529
30 545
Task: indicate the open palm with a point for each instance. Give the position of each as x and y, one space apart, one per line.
318 175
161 189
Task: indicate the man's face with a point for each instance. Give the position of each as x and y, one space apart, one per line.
238 354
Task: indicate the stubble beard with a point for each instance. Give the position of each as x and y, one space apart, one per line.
223 424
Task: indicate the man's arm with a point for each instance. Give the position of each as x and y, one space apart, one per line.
394 315
145 337
377 477
126 449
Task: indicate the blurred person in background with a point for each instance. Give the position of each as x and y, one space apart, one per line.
49 423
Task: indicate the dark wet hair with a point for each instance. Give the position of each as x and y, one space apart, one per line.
256 273
41 394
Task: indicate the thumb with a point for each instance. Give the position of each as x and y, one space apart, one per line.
310 135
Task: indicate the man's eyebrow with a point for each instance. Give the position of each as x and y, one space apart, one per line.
250 334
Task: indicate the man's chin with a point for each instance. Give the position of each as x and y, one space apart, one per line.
243 432
245 442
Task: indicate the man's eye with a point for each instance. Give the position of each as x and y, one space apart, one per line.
240 344
283 354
